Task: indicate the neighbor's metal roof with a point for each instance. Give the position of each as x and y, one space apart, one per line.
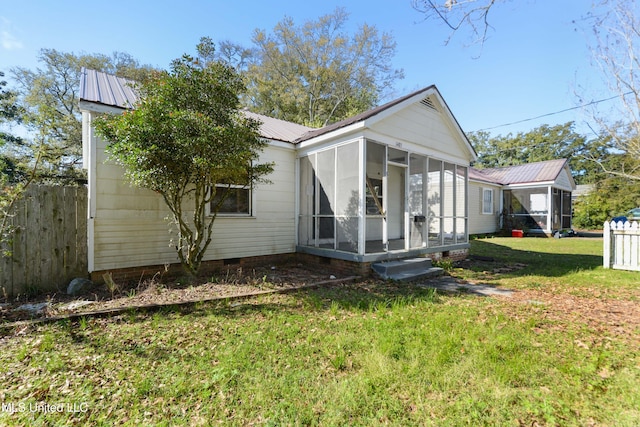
109 90
522 174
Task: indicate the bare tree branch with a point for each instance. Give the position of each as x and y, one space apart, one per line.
457 14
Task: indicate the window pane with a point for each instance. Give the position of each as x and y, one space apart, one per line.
487 201
236 200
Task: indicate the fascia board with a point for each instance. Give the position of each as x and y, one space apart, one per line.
334 135
99 108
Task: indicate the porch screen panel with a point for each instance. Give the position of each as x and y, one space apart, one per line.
448 193
305 219
556 209
461 204
347 197
326 197
417 215
528 209
434 202
374 210
566 209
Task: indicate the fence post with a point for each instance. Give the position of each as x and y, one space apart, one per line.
606 239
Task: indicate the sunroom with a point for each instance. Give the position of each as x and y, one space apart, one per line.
363 196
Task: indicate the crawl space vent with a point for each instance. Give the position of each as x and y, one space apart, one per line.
428 103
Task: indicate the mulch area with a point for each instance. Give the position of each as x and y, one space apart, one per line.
154 293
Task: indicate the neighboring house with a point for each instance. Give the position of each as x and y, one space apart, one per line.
535 197
385 184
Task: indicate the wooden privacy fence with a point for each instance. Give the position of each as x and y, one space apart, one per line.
49 245
622 245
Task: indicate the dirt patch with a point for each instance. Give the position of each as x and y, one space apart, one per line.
232 282
610 315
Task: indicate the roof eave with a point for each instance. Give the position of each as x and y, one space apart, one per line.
98 107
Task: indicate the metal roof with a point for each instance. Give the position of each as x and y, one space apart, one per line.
277 129
521 174
109 90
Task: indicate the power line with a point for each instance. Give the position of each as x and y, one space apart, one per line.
555 112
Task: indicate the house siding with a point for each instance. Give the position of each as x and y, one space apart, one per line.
131 229
423 127
480 223
564 180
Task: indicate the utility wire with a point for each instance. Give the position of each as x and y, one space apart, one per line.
555 112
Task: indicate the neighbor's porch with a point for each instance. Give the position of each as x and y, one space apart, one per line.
545 209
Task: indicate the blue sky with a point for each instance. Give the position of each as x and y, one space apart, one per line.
535 61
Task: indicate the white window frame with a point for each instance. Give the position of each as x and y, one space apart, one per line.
487 206
248 214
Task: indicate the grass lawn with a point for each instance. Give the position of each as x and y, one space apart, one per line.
563 351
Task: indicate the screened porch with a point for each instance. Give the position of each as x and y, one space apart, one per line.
537 210
364 201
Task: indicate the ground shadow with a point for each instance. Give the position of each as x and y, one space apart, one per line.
487 255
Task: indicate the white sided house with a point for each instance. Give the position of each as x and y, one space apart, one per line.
389 183
534 198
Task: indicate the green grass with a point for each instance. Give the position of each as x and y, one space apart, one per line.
372 354
574 263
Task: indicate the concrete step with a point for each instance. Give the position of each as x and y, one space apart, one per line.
407 269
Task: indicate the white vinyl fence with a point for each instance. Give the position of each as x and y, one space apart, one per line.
622 245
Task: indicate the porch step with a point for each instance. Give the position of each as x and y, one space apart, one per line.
407 269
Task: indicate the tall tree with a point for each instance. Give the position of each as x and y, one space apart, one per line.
611 195
318 73
183 139
15 176
616 35
540 144
48 97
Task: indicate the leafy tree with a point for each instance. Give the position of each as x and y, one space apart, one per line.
615 46
317 73
184 136
48 97
14 178
611 196
542 143
233 54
